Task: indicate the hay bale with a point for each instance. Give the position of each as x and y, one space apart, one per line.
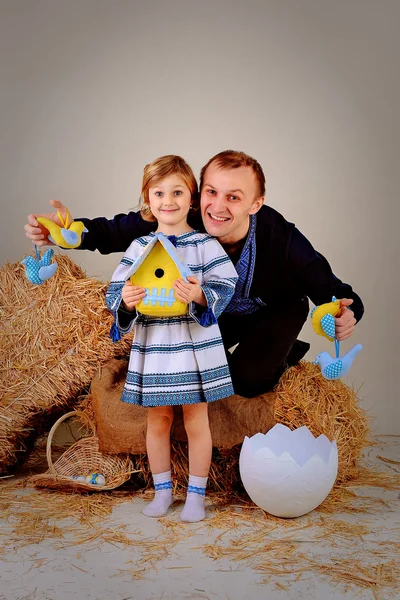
121 427
53 338
304 397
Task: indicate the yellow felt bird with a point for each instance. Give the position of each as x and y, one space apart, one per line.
67 236
323 322
323 318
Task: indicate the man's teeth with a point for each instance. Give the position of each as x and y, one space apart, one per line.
218 218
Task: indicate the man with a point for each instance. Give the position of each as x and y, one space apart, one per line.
277 266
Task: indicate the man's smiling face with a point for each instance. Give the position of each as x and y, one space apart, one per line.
228 198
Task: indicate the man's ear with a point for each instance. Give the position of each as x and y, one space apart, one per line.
257 204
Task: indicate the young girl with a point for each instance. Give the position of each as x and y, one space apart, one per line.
176 360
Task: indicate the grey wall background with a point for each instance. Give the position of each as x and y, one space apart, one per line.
91 90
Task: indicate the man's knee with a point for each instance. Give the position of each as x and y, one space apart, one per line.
249 384
259 360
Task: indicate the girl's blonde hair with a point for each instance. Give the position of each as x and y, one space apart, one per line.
158 170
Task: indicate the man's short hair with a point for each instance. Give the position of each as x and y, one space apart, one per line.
233 159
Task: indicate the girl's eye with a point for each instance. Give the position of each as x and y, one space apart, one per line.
211 192
178 193
233 198
158 194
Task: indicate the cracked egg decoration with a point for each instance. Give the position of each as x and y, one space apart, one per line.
288 473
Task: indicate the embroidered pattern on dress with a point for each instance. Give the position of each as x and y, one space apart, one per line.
240 301
178 398
186 377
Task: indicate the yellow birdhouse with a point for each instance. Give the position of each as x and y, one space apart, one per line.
156 270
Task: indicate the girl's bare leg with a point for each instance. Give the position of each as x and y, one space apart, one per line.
158 441
200 450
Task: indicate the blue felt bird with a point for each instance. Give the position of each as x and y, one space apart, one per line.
323 321
333 368
39 269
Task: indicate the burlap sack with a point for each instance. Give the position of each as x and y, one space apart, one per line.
121 427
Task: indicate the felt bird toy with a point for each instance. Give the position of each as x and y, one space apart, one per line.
323 322
323 318
332 368
39 269
67 236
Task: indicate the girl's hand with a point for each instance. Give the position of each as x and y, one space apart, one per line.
132 295
189 292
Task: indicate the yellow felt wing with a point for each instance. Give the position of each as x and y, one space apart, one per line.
330 308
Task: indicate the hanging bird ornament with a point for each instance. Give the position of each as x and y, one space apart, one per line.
323 322
335 368
67 236
41 268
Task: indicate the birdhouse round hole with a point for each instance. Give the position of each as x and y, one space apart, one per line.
156 271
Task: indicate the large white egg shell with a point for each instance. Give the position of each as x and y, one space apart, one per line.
288 473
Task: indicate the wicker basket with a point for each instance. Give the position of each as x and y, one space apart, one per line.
82 458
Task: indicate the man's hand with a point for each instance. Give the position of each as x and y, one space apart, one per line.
344 320
189 292
132 295
36 232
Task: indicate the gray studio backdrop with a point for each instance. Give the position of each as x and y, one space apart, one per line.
91 90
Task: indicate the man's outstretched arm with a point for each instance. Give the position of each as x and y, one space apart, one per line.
104 235
116 234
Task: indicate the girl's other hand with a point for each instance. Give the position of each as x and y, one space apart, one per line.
132 295
189 292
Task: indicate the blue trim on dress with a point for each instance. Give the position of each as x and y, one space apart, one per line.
178 398
176 348
179 378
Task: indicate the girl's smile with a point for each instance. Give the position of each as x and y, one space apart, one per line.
170 202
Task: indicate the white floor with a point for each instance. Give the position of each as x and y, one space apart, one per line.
166 560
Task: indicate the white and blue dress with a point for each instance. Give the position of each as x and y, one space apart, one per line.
179 360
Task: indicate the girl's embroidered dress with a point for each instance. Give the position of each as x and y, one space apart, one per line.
179 360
